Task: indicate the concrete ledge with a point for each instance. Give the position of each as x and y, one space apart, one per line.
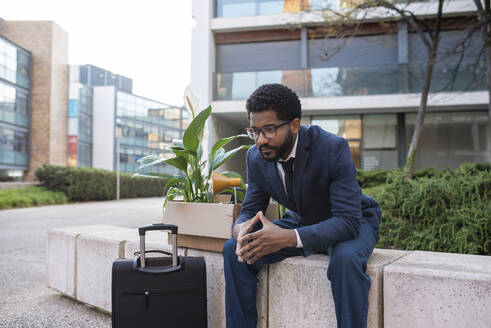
409 289
300 293
61 256
96 253
215 282
428 289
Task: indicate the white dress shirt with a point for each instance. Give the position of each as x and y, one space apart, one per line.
282 176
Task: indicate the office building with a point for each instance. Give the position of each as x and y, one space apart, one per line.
366 88
49 115
101 103
33 97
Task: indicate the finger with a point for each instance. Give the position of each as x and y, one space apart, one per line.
237 249
264 220
254 258
251 236
252 223
247 248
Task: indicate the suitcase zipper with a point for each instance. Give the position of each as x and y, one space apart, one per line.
160 292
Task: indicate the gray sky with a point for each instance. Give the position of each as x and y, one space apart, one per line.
148 40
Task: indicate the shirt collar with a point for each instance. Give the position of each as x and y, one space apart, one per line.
293 152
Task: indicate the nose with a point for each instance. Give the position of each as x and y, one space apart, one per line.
261 139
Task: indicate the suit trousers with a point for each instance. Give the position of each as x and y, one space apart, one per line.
347 273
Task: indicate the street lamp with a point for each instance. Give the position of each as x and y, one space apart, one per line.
118 138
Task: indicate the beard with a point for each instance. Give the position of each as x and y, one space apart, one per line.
280 151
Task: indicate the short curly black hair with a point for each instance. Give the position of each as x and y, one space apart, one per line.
277 97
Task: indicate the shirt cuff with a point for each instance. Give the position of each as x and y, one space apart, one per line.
299 241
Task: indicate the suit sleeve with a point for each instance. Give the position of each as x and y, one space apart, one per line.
256 199
345 201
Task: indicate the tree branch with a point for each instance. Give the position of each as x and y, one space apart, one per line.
408 16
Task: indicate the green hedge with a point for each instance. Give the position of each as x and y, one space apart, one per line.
30 196
84 184
447 211
373 178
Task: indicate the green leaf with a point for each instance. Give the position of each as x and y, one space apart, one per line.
218 145
180 152
136 175
199 153
172 193
191 135
222 142
222 156
150 160
178 162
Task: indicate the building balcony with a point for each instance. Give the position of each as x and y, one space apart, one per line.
353 81
245 15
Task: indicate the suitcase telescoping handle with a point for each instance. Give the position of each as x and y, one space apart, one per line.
158 226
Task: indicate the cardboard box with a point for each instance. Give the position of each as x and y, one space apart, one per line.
206 226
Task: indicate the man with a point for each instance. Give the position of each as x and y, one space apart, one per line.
310 172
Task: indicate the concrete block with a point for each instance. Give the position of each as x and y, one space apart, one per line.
96 253
61 256
379 259
300 293
429 289
215 282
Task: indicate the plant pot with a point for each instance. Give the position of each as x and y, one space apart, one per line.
206 226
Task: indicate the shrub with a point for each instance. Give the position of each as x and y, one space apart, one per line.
372 178
30 196
84 184
446 211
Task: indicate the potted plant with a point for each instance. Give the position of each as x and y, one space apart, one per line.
202 223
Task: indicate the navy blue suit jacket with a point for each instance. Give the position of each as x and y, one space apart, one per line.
328 203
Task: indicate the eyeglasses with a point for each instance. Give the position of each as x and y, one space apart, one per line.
269 131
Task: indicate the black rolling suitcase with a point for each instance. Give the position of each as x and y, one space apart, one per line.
165 291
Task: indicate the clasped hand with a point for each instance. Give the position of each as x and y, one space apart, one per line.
271 238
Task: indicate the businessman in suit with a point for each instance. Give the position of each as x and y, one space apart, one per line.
310 172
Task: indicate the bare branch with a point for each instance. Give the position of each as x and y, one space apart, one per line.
479 6
408 16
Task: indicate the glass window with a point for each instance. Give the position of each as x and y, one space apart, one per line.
6 139
379 131
348 127
23 69
22 102
8 61
450 139
20 141
379 159
235 8
7 97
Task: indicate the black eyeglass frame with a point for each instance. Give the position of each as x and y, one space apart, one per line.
259 131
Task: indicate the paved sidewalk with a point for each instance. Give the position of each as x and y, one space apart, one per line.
25 301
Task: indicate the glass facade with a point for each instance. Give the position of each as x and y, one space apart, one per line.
348 127
448 139
80 126
350 81
147 127
85 127
236 8
15 71
92 76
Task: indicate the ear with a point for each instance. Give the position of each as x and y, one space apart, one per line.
295 125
